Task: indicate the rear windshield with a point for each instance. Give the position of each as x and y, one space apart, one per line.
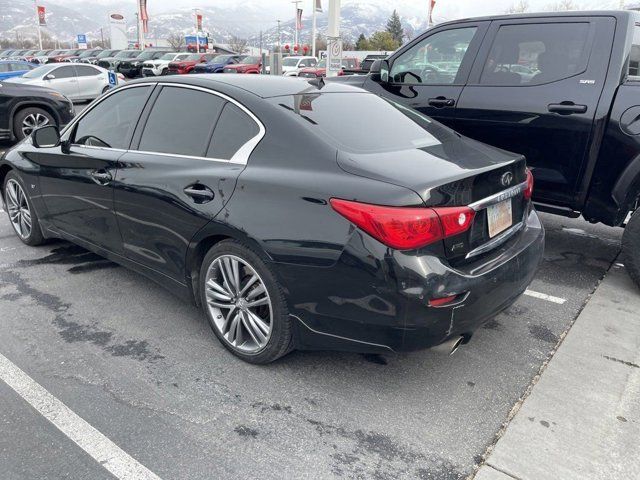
362 122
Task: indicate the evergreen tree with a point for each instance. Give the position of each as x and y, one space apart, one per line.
362 43
394 27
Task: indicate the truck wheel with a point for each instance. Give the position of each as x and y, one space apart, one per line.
631 247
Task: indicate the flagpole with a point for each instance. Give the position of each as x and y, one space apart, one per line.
296 3
313 31
429 13
195 12
35 3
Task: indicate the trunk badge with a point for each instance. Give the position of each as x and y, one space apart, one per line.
506 179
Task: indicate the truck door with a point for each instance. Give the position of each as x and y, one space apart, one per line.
534 89
429 74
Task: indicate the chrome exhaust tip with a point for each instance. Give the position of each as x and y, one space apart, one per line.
450 346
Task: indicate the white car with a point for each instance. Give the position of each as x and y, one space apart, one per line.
75 81
292 65
160 66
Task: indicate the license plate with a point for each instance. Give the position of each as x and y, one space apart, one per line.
500 217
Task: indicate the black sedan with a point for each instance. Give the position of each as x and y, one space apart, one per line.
25 107
299 216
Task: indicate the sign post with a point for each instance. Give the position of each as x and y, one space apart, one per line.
82 41
113 79
334 43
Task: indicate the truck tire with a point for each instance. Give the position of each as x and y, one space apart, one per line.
631 247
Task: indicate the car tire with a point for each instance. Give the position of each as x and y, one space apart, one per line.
631 247
164 72
240 332
25 120
105 90
20 211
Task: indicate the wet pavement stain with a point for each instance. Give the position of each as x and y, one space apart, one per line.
623 362
492 324
83 261
245 431
138 349
543 333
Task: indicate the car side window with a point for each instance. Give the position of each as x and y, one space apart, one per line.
86 71
634 55
534 54
435 60
189 114
233 130
4 67
110 123
64 72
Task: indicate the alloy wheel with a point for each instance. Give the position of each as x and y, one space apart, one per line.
33 121
239 303
18 208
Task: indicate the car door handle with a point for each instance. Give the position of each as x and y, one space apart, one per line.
566 108
441 102
200 193
101 177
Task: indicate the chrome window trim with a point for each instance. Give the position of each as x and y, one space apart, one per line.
499 197
241 156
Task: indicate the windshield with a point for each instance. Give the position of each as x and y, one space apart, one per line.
193 58
40 71
290 62
221 58
127 54
106 53
146 55
88 53
252 60
168 56
322 63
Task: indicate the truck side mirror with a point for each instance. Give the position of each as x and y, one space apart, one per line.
384 71
379 70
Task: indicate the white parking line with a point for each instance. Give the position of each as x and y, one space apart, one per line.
544 296
100 448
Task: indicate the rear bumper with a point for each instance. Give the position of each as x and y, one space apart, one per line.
375 299
130 72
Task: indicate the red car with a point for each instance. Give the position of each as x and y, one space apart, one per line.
320 70
58 56
187 64
252 64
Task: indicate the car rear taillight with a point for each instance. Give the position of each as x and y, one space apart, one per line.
528 193
405 228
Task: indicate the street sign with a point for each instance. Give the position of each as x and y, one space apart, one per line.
113 79
334 54
82 41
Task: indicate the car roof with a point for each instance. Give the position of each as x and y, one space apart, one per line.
571 13
264 86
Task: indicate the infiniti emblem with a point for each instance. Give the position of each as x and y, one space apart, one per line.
506 179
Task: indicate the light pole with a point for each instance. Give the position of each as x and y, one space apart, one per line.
195 12
334 44
278 34
296 3
314 28
35 4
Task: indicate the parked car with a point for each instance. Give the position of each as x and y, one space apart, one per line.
112 63
293 64
4 54
93 60
40 56
250 64
206 63
14 68
320 70
575 118
75 81
25 107
392 221
14 53
364 66
133 68
84 54
62 55
160 66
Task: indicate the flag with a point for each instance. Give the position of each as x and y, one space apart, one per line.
433 4
199 22
42 20
144 16
317 5
299 20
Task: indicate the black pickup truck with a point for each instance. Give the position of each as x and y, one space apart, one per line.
561 88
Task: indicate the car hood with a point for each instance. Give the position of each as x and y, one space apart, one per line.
17 86
451 157
27 81
211 65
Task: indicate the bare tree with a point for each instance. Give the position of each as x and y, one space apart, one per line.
238 45
176 41
563 5
520 7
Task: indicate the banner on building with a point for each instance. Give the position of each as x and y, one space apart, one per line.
317 5
299 20
144 16
198 22
118 31
42 16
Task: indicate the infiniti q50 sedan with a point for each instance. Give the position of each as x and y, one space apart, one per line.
297 215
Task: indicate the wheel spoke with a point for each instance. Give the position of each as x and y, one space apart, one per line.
231 267
211 283
257 291
250 282
11 194
259 322
233 328
226 306
257 303
218 296
254 332
225 279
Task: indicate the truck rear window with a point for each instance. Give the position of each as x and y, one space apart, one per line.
634 56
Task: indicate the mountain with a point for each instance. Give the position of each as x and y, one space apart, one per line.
17 20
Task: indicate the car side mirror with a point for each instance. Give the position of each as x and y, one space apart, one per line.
380 70
49 76
45 137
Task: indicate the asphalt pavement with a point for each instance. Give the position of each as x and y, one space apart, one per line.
144 370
